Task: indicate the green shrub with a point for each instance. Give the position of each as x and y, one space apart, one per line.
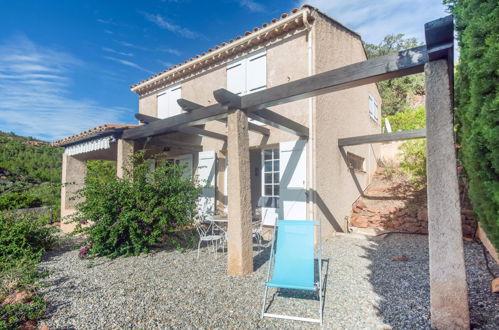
13 201
127 216
477 106
414 151
23 240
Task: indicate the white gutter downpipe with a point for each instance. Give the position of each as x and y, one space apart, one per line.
311 135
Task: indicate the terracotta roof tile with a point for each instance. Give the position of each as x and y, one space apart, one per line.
93 132
223 44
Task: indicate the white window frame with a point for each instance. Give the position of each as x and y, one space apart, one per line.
373 108
273 172
167 91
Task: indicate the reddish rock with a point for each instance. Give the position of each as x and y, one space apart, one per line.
16 297
29 325
393 210
379 170
360 204
374 218
401 257
469 213
423 215
45 328
412 228
467 230
355 209
422 230
359 221
410 220
402 212
371 210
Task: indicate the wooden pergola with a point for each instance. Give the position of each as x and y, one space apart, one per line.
449 299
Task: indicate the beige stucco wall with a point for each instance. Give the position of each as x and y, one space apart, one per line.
337 115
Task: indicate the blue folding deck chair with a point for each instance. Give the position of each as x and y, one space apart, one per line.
292 258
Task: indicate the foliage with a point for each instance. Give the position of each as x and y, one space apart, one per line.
13 201
397 94
100 171
126 216
30 173
477 106
23 240
414 151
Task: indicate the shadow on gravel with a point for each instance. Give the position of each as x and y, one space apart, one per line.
403 287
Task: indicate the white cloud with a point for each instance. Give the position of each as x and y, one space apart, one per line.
376 19
110 50
165 24
128 63
35 95
172 51
251 5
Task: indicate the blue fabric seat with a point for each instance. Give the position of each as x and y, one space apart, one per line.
293 260
294 256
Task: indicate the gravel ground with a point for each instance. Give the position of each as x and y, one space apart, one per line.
365 288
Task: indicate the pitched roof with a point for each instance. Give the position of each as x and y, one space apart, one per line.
286 23
101 130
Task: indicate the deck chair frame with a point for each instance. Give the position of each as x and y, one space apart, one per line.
319 285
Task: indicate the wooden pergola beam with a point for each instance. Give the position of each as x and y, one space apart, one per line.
187 105
172 124
265 116
190 130
380 68
385 137
390 66
167 142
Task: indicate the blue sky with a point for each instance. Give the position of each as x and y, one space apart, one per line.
66 66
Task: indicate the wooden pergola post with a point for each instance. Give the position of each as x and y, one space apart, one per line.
240 245
448 286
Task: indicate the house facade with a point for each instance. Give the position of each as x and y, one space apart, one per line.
292 175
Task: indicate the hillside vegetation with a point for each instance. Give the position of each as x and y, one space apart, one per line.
30 173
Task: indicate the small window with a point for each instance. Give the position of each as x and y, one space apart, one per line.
355 162
270 172
373 108
167 102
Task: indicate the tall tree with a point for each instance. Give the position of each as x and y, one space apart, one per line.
396 94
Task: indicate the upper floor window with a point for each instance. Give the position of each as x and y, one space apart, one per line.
249 74
167 102
373 108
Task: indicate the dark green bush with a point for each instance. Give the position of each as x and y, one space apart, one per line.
127 216
477 105
14 201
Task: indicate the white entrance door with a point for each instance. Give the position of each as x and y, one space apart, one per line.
270 186
293 176
206 172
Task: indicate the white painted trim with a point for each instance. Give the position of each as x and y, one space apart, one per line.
289 317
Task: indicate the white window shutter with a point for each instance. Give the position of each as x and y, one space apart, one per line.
236 78
163 105
173 107
292 184
256 72
206 172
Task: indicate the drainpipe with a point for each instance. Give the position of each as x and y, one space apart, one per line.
311 138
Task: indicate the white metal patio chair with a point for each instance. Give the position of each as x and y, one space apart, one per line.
206 234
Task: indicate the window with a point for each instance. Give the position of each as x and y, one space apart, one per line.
373 108
248 75
167 102
270 171
355 162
